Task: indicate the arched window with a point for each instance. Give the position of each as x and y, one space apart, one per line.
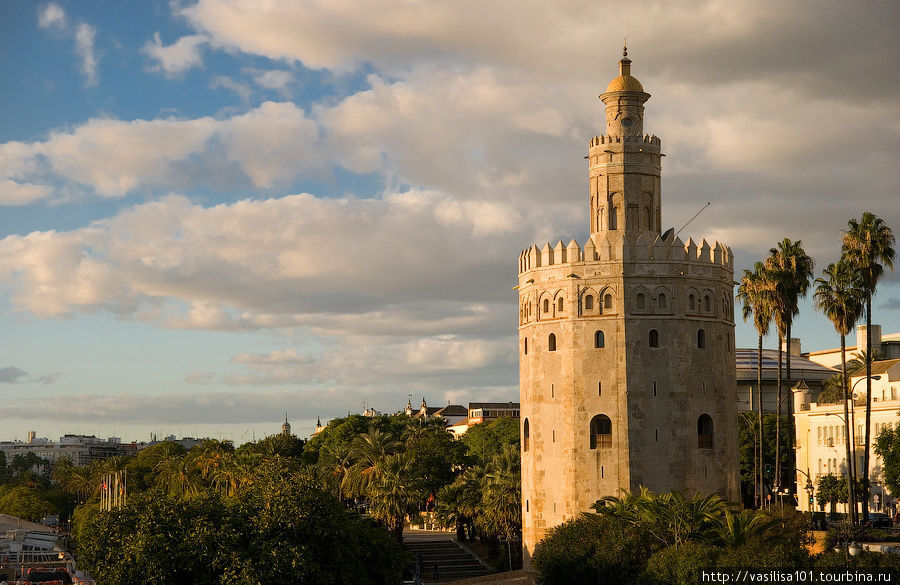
599 339
559 305
654 338
601 432
701 338
661 301
691 304
546 305
551 342
608 301
707 304
526 346
526 436
705 432
641 302
589 302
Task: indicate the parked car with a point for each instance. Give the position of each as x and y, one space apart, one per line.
880 520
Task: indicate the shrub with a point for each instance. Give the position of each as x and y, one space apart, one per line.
680 565
592 549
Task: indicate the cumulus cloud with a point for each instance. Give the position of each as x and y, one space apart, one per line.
812 45
52 16
271 143
84 46
182 55
278 262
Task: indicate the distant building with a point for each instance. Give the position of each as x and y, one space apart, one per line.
814 374
821 437
424 410
457 417
888 345
80 449
485 412
286 427
186 442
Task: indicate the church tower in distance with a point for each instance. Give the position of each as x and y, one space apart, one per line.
626 345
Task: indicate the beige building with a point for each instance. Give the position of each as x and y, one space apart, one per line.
888 345
822 440
626 345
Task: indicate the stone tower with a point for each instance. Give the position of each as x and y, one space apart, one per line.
626 345
286 427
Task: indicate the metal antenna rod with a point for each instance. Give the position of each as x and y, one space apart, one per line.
693 218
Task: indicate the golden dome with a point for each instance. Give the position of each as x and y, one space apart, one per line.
624 83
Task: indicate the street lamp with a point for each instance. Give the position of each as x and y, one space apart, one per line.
853 421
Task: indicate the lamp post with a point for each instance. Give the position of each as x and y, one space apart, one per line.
747 416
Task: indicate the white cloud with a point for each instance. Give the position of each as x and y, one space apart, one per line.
84 46
182 55
280 262
52 16
276 79
272 143
242 90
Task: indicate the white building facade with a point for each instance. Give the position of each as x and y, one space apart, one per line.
821 444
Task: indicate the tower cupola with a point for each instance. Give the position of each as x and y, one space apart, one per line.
625 81
624 163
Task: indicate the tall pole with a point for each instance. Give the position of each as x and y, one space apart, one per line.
762 489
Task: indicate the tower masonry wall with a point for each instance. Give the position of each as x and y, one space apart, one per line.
600 303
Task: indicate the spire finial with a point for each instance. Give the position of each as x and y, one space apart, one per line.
625 42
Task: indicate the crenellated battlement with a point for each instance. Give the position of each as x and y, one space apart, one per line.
645 139
599 248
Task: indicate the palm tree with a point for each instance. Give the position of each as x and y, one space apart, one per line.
210 455
450 509
756 299
395 494
369 450
790 270
734 530
670 517
867 244
176 476
839 296
860 359
501 500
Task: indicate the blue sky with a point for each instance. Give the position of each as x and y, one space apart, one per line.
212 213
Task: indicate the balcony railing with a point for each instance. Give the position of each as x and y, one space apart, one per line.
705 441
601 441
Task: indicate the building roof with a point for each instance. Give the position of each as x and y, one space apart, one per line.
453 410
483 405
746 365
879 367
9 523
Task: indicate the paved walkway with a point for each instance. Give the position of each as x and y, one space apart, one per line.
453 563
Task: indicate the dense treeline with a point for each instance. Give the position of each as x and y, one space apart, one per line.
281 510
